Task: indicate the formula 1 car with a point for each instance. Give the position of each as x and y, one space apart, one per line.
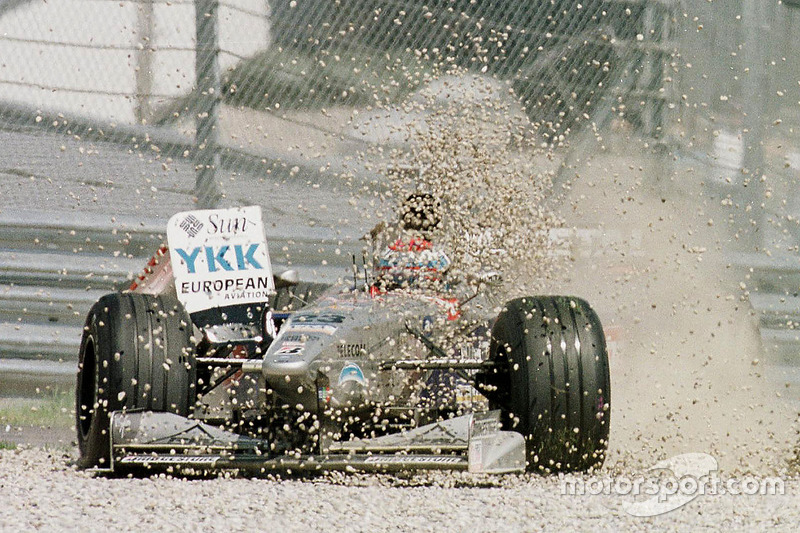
212 360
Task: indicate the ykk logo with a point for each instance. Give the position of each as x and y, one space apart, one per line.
216 260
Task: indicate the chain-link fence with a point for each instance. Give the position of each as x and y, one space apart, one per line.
267 75
303 69
740 93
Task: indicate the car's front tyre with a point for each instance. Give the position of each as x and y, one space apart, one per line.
551 380
136 353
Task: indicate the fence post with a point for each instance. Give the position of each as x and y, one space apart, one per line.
755 108
208 94
144 61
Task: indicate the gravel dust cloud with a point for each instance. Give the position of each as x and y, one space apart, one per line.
646 249
687 367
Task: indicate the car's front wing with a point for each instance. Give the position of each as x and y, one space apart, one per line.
165 441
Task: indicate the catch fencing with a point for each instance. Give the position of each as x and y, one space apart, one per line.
225 79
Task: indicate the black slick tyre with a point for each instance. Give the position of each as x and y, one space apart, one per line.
136 353
551 380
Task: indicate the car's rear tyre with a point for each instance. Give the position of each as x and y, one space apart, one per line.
552 381
136 352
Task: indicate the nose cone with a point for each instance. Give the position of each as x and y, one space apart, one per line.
281 365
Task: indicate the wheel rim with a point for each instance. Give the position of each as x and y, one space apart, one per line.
87 395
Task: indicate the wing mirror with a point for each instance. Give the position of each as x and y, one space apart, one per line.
287 278
490 279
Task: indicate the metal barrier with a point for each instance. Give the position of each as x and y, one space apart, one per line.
54 266
773 288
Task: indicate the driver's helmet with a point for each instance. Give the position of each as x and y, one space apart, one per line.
420 213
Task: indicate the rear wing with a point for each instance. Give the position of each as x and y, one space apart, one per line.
219 258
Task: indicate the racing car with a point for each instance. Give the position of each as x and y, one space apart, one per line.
213 359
